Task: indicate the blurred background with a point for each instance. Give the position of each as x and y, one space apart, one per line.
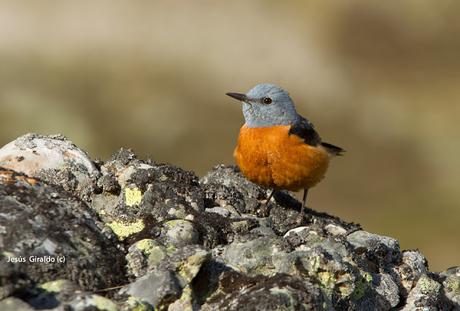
380 78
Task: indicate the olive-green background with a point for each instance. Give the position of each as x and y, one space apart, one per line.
379 78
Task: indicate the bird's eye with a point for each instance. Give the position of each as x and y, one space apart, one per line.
267 100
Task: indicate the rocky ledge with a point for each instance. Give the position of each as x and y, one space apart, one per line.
128 234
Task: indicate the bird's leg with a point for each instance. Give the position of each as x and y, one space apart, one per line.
270 196
264 208
302 208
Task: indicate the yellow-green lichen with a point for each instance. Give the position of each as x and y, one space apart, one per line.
53 286
146 245
428 285
170 248
185 302
190 267
452 284
152 250
6 254
123 230
361 286
133 196
315 263
368 277
134 304
327 279
102 303
172 223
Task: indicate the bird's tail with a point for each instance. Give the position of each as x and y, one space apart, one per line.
333 150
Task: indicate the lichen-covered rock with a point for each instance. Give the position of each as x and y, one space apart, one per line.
374 250
426 294
14 304
144 255
48 234
254 256
413 265
139 235
54 159
52 294
224 185
170 280
159 288
178 233
279 292
451 284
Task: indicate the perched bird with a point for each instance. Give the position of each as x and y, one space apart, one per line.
278 148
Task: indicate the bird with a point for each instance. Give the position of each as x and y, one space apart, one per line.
277 148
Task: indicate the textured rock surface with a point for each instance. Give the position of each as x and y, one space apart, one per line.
138 235
54 159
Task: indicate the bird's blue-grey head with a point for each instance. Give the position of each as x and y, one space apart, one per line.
267 105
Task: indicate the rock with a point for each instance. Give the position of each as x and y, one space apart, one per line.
335 229
451 285
52 294
411 268
170 280
158 288
12 278
280 292
375 250
387 289
54 159
173 242
144 255
219 210
14 304
49 234
224 185
134 304
425 294
253 257
85 302
180 232
186 302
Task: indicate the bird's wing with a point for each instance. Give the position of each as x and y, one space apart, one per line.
305 129
333 150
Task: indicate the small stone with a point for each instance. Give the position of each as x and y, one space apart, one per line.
335 229
219 210
387 288
190 217
191 265
159 288
181 232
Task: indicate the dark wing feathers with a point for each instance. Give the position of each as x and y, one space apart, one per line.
334 150
305 129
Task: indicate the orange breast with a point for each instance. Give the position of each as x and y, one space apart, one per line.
272 158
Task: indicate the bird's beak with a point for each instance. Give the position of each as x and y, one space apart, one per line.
238 96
